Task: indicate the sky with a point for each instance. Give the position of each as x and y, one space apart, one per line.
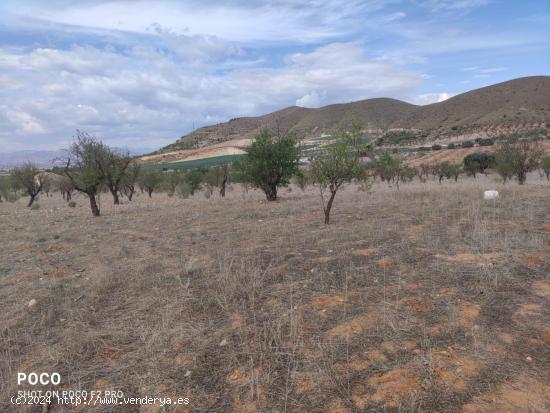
140 74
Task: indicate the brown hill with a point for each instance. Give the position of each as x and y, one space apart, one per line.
512 106
525 100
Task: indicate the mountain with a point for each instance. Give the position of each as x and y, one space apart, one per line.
525 100
515 105
43 159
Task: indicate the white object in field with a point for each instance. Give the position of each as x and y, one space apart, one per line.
492 194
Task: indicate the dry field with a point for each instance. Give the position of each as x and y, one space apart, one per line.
426 299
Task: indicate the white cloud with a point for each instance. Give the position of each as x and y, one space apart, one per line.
428 98
241 21
25 123
146 97
313 99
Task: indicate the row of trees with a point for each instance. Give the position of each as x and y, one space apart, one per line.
92 167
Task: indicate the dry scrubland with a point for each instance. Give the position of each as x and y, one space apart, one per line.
419 300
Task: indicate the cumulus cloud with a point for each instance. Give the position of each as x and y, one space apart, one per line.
142 73
143 95
428 98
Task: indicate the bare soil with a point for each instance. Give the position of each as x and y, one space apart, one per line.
423 299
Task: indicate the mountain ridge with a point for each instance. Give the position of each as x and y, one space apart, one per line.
510 106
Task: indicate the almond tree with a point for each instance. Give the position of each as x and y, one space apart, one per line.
83 167
29 178
270 163
336 165
114 167
522 157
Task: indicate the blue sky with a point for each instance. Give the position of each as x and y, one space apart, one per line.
142 73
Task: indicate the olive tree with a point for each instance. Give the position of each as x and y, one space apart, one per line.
335 165
29 178
270 163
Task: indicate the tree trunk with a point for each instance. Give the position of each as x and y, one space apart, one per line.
130 193
115 196
222 187
93 205
522 177
271 193
149 191
329 206
31 200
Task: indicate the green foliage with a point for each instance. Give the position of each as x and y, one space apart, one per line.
518 158
451 146
303 179
436 147
183 190
337 164
194 178
478 162
545 166
399 137
270 163
171 181
83 165
8 189
447 170
150 181
467 144
388 167
217 177
486 142
28 178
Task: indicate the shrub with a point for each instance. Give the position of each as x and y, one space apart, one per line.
436 147
478 162
183 190
467 144
72 204
451 146
486 142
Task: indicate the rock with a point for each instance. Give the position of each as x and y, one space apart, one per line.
490 194
223 342
32 303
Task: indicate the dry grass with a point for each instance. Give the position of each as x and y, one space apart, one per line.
425 299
